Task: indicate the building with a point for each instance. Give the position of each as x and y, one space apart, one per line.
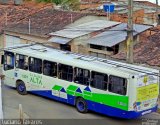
11 15
144 12
145 52
74 37
37 26
113 41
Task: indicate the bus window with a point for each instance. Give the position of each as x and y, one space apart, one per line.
50 68
117 85
81 76
8 61
65 72
21 61
35 65
99 80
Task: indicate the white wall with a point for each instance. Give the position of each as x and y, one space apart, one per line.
11 40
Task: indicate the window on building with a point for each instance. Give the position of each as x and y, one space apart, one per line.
116 49
49 68
8 61
99 80
82 76
35 65
110 49
117 85
65 47
21 61
65 72
97 47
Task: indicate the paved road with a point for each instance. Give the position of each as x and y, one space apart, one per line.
40 108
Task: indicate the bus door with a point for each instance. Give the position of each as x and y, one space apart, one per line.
21 68
8 68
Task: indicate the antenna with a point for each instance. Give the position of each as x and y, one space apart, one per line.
29 26
6 18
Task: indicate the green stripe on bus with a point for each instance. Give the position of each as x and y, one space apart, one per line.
72 89
116 101
56 87
120 102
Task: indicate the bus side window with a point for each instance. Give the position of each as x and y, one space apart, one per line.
65 72
35 65
21 61
117 85
82 76
99 80
8 61
50 68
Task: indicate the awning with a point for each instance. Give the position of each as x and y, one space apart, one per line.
59 40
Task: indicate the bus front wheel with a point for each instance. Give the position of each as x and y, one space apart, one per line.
21 88
81 105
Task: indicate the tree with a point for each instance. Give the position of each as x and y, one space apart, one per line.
71 4
66 4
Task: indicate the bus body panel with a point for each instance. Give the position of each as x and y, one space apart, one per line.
97 100
105 102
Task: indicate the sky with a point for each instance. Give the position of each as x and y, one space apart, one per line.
153 1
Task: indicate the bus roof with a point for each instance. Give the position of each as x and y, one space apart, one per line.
82 61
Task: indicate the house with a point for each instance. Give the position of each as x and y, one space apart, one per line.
144 12
37 26
11 15
74 37
145 52
113 41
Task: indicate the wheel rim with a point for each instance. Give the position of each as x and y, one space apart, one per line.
21 87
81 106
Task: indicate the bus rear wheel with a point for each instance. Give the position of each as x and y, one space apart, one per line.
81 105
21 88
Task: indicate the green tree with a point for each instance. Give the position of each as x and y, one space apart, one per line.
71 4
66 4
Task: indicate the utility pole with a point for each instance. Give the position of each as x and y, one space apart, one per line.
130 32
29 26
157 9
1 110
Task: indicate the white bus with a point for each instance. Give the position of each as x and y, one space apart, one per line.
89 83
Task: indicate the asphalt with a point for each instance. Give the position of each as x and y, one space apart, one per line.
36 107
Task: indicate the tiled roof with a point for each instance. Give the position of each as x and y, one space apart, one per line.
90 1
45 21
11 14
147 51
145 3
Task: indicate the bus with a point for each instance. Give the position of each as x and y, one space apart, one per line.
104 86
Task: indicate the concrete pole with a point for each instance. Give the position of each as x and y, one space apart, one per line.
1 110
130 32
157 8
29 26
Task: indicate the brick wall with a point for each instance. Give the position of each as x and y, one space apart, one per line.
137 17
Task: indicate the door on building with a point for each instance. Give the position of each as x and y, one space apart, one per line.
65 47
11 40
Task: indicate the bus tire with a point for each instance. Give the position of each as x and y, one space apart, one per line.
21 88
81 105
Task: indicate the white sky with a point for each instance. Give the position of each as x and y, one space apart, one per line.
153 1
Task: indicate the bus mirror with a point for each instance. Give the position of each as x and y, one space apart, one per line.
2 59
